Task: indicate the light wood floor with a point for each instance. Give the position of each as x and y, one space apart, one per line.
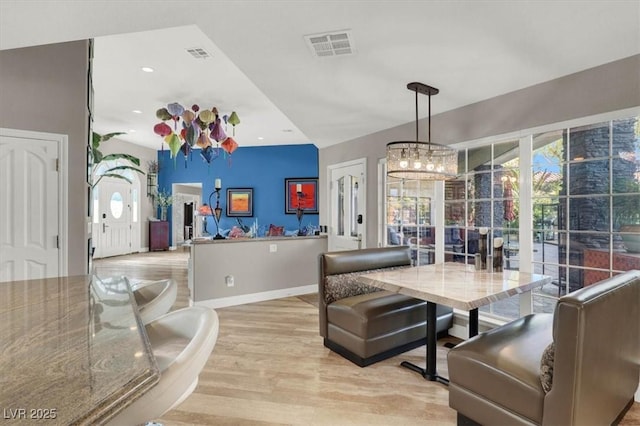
269 367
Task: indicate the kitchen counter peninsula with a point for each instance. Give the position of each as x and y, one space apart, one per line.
72 350
244 270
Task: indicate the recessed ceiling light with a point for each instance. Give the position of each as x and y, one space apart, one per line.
132 130
136 111
287 130
260 138
147 69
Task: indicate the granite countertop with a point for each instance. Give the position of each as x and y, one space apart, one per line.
72 350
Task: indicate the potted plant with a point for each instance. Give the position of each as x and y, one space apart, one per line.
97 157
163 200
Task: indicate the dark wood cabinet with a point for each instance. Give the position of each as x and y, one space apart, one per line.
158 235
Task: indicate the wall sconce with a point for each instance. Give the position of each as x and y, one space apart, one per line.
152 184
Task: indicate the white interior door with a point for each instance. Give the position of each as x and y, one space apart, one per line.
114 221
347 190
29 190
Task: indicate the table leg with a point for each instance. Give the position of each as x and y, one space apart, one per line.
430 373
473 322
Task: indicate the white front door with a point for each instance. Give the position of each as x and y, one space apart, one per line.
113 228
347 189
29 190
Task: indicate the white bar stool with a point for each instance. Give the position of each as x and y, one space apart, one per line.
182 342
155 298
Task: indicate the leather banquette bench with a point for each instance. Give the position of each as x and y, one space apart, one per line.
366 324
578 366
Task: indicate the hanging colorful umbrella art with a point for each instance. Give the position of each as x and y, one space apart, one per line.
199 128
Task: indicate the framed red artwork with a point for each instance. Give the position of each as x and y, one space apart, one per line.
301 192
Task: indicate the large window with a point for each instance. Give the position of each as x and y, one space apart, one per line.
581 202
586 197
484 195
409 217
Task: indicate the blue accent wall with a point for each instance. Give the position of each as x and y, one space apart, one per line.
262 168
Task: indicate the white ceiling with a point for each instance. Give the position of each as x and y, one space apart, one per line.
262 68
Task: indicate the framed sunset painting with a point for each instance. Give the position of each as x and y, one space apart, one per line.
239 202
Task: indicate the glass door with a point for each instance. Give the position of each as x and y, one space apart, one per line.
347 204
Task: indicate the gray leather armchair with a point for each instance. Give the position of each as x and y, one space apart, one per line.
579 366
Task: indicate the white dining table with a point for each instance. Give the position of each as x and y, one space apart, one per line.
452 284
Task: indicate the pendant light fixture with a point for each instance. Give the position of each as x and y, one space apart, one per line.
421 160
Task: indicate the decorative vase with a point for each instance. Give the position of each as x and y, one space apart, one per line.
163 213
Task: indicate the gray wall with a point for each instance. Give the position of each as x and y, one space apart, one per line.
256 268
44 89
610 87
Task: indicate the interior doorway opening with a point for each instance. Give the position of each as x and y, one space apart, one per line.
188 220
187 197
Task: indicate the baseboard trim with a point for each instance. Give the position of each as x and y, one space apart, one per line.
459 331
461 323
257 297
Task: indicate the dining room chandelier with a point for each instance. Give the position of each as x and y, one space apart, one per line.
421 160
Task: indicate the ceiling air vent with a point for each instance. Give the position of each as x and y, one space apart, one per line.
336 43
198 53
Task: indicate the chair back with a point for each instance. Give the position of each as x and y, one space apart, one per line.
341 262
597 352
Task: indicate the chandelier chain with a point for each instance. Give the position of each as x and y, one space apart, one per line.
421 160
